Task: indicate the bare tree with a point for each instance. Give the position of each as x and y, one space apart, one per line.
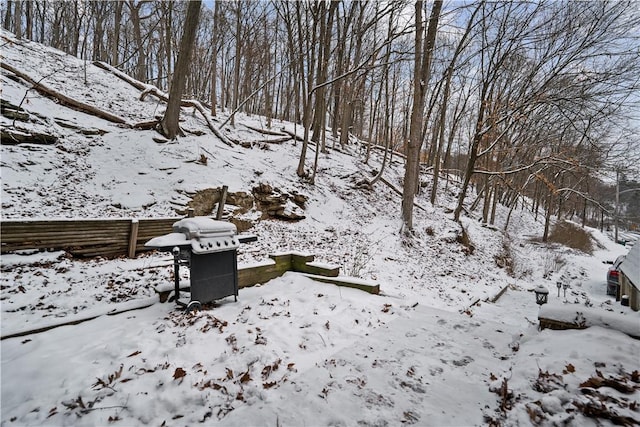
169 124
422 70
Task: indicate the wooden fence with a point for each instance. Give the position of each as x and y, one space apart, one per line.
83 237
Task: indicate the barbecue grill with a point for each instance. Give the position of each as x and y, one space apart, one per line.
209 249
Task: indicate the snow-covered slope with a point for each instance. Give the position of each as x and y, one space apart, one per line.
432 349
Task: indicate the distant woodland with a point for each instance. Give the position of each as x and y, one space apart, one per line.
526 104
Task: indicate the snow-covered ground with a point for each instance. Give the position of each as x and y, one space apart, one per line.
431 349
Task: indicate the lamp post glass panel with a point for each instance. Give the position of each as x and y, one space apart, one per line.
542 295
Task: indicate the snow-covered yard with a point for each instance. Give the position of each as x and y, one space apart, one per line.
298 352
436 347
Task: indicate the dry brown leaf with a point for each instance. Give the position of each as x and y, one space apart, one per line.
179 373
245 378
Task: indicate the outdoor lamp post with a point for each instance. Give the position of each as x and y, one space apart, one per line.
565 286
542 294
558 285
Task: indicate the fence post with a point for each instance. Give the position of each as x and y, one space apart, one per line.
223 199
133 238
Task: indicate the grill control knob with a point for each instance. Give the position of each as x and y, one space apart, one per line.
210 244
218 243
226 243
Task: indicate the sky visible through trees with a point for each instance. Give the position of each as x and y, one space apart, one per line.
526 102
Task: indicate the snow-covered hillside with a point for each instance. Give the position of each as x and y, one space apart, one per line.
451 340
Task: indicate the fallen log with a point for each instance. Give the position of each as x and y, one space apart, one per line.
16 136
64 99
133 82
152 90
148 125
294 136
266 131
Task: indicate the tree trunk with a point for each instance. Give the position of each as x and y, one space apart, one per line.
473 153
214 58
8 16
494 203
169 124
547 217
116 33
29 20
415 128
141 65
236 67
422 70
17 19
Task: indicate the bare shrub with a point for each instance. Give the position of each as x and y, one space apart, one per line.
504 259
552 263
571 235
357 259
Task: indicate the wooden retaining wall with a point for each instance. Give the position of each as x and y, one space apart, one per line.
277 265
248 276
83 237
556 324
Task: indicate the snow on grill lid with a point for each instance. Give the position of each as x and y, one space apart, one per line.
168 240
204 227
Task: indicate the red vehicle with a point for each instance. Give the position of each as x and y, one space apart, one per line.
612 276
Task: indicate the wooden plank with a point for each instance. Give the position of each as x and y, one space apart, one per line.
61 246
282 257
66 240
320 270
72 224
348 282
555 324
106 251
58 237
33 231
86 237
250 276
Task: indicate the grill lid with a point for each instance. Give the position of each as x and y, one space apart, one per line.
203 234
207 235
203 227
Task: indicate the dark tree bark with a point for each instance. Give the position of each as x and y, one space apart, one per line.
169 124
28 14
214 58
17 21
421 78
7 15
116 33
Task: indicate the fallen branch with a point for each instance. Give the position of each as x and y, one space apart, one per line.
266 131
397 190
294 136
148 125
133 82
64 99
152 90
274 141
